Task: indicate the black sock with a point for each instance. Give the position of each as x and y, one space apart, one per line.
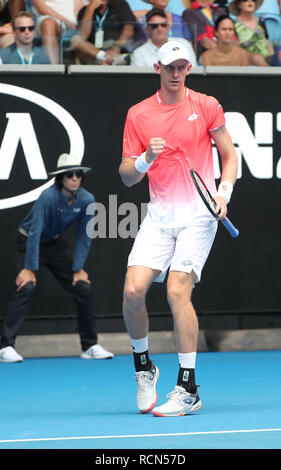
186 379
142 361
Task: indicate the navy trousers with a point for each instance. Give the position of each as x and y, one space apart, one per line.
54 256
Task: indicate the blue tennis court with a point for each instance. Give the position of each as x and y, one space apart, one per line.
70 403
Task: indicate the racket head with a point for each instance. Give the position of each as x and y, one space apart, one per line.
204 193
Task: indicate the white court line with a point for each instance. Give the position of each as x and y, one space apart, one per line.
126 436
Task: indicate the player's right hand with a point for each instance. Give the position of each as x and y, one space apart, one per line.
155 147
24 277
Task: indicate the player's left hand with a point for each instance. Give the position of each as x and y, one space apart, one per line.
221 207
80 276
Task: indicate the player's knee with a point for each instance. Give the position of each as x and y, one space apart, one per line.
134 293
176 292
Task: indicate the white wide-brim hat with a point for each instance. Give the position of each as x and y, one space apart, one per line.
67 162
171 51
235 10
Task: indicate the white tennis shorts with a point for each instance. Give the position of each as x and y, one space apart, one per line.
184 249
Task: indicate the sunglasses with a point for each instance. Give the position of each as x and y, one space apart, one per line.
23 28
69 174
155 25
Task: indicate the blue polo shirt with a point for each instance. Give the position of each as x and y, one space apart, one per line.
49 217
11 55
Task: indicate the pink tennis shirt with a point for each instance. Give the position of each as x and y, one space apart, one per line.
185 127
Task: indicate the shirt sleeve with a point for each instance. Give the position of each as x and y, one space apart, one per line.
82 240
139 58
214 113
132 145
34 237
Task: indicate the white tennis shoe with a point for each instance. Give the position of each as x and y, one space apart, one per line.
9 354
179 403
96 352
146 393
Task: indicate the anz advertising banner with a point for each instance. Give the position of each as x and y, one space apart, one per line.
43 116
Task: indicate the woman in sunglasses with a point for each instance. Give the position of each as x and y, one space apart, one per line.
23 51
39 243
251 31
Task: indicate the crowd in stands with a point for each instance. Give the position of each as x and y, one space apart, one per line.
111 32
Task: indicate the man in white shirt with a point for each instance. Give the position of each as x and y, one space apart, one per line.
157 29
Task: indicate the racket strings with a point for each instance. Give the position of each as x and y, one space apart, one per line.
206 194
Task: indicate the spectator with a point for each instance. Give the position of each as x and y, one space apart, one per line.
203 15
251 31
178 27
56 19
157 27
106 28
6 30
23 51
226 51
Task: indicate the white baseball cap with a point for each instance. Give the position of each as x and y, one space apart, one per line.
171 51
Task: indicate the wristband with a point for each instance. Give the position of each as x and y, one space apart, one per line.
141 164
225 190
101 55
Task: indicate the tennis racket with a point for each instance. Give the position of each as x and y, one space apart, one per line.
210 203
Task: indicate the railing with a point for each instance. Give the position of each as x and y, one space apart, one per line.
116 45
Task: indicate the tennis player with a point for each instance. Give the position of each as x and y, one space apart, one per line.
39 243
165 136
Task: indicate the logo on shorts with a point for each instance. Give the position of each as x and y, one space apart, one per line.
175 49
186 262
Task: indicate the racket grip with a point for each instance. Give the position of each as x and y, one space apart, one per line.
230 227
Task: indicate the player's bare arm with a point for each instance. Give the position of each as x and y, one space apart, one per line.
229 164
128 172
